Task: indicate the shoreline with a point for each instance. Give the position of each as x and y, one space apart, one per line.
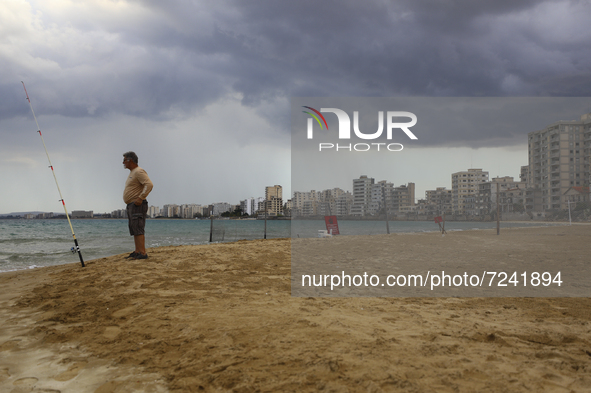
303 218
221 317
434 229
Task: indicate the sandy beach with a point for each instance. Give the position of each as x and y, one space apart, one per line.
222 318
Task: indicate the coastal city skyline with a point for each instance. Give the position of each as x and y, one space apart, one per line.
421 189
558 172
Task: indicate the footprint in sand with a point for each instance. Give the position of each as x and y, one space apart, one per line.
71 372
9 345
27 381
111 332
4 374
123 312
27 385
108 387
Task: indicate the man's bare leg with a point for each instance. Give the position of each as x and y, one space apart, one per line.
140 244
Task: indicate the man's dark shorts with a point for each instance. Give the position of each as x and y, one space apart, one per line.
137 218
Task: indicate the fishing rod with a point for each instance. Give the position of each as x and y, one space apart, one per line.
76 248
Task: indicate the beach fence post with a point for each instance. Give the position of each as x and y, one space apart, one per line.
498 217
76 248
385 209
265 234
569 218
211 226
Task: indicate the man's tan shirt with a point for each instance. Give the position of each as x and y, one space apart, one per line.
138 185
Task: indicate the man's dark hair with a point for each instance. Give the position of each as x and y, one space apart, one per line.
131 155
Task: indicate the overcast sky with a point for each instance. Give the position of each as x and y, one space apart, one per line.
201 90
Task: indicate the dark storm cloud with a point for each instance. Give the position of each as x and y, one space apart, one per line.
465 48
431 48
176 57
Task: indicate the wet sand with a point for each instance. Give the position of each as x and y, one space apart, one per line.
221 318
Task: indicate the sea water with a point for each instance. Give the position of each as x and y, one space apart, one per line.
26 244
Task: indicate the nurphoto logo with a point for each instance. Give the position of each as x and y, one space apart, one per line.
345 129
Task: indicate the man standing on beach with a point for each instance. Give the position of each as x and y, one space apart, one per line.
137 188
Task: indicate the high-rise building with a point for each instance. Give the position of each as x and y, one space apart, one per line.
171 211
464 188
328 201
190 210
297 202
249 205
221 207
343 204
402 198
512 196
82 214
438 201
287 208
524 175
381 195
309 208
153 211
119 213
334 201
361 195
560 158
274 200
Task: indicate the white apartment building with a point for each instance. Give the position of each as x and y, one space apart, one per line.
221 207
397 199
524 175
119 213
171 211
343 204
298 199
381 195
402 197
361 195
560 158
310 208
287 208
334 201
465 185
328 201
191 210
511 196
153 211
251 205
438 201
246 206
